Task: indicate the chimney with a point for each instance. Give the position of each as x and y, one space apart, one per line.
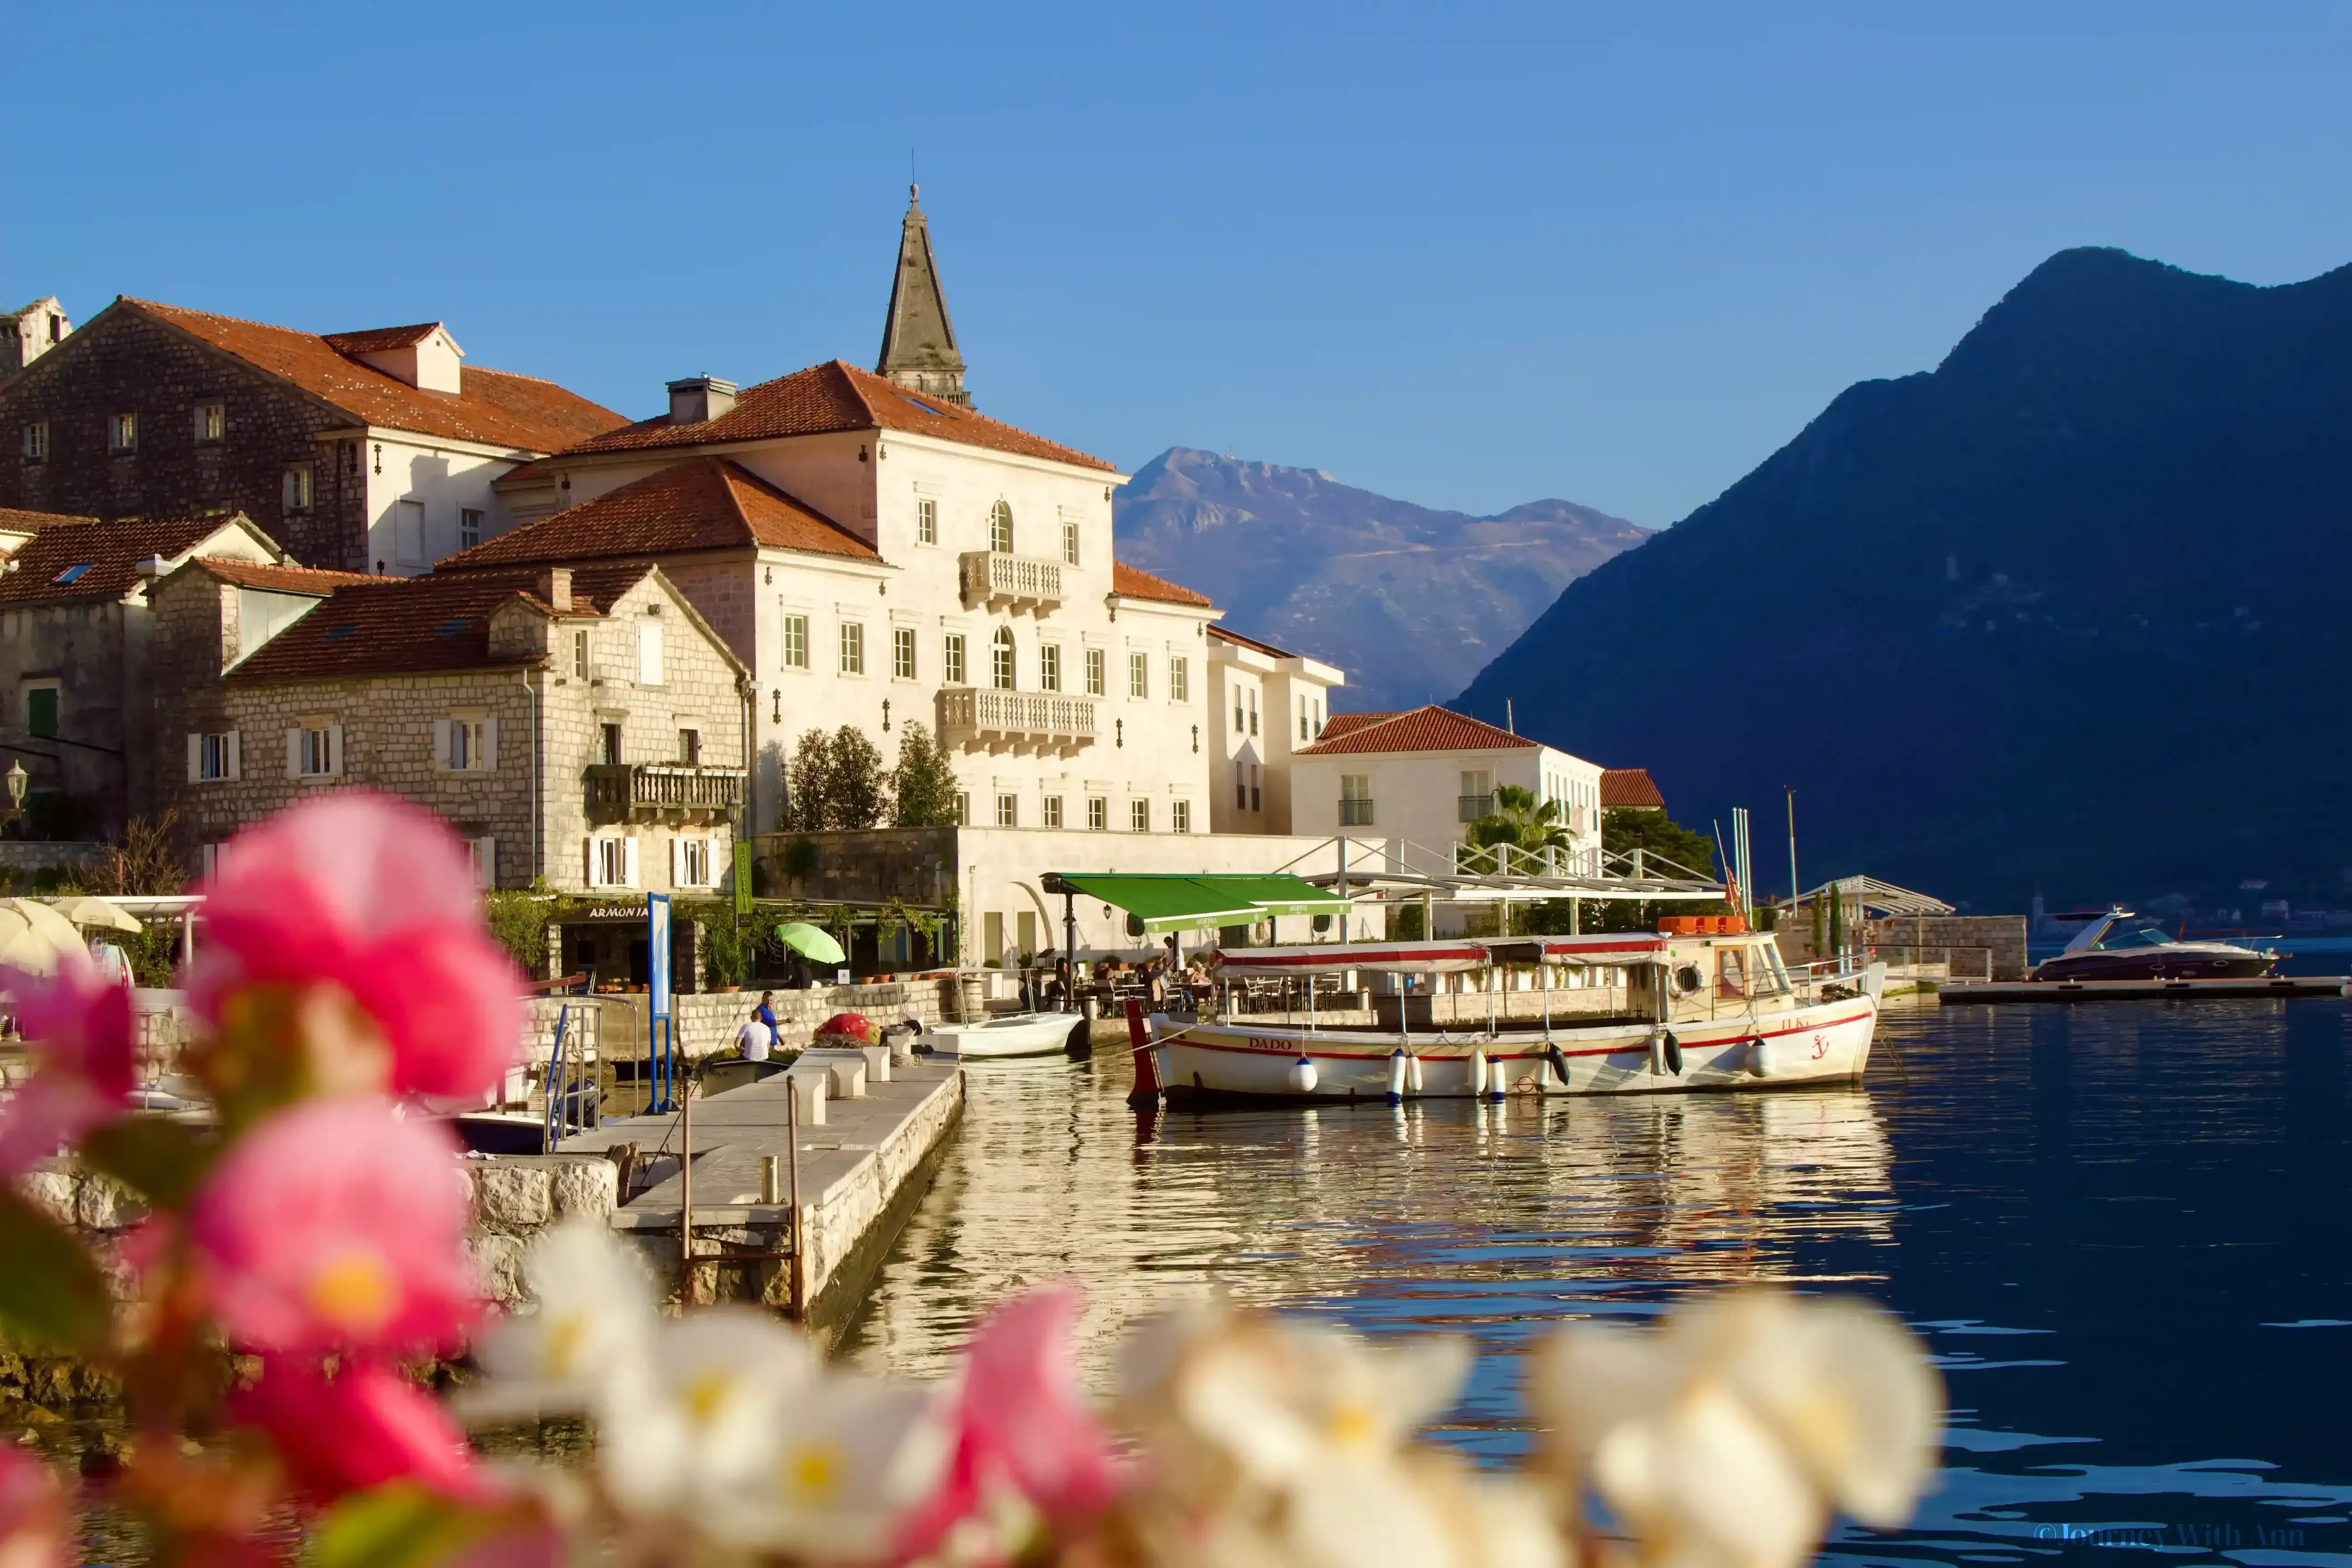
698 399
555 587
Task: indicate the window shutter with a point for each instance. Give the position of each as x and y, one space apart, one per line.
490 744
487 850
629 862
715 862
195 758
335 749
236 754
440 743
676 862
293 754
589 875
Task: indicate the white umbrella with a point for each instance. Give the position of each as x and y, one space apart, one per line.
37 938
103 913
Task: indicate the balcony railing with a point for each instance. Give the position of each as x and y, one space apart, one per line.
621 792
1473 806
1355 812
982 718
993 579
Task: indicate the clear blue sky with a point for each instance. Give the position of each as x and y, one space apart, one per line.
1468 254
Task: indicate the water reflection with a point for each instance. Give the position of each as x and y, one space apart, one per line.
2102 1218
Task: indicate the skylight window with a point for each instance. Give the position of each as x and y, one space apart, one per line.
450 628
73 572
338 632
924 406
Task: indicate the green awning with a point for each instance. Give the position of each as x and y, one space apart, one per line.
1166 903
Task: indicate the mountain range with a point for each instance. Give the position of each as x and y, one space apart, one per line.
2069 610
1410 601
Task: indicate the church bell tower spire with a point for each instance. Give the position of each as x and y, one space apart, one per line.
918 346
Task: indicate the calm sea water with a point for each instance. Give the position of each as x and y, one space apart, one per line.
2122 1230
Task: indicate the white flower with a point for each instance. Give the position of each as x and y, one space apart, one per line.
595 1322
1730 1435
848 1459
701 1419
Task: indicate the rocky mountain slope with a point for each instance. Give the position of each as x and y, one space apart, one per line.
1410 601
2071 609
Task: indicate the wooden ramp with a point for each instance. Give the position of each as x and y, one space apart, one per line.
2145 990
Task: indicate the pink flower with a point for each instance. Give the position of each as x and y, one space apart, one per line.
78 1023
372 895
1022 1422
337 1225
363 1428
32 1513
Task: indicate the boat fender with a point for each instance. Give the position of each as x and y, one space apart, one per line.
1413 1066
1396 1075
1079 1043
1477 1073
1302 1076
1657 1043
1757 1055
1673 1054
1558 1064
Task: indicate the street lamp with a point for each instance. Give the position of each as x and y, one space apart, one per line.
19 782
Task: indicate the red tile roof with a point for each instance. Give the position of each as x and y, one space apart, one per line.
699 503
1134 582
1426 729
1223 635
281 579
379 340
1630 786
411 625
1339 724
16 520
497 408
108 555
835 396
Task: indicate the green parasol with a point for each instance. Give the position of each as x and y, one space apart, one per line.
810 942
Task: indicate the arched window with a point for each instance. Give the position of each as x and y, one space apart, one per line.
999 529
1001 658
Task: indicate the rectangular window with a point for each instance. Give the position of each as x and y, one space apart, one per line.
1477 795
1138 675
469 527
1139 815
1302 719
927 522
579 656
1241 785
1355 800
1008 811
468 751
1237 707
1070 542
1252 707
298 487
211 423
1094 672
213 757
693 862
1180 679
689 748
796 649
482 859
41 711
1258 787
1180 816
1053 811
951 658
649 653
902 652
853 648
1049 670
609 750
608 863
1098 813
37 441
122 433
314 752
963 809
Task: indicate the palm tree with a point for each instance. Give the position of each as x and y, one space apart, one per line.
1521 821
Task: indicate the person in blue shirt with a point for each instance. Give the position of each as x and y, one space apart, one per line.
766 1013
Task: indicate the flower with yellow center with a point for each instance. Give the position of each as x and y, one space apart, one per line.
593 1322
354 1290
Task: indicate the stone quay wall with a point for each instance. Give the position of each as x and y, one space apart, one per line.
705 1021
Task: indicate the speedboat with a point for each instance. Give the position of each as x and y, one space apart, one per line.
1012 1035
1684 1012
2120 945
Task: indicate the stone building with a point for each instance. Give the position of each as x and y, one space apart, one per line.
75 684
26 335
1269 703
369 451
583 727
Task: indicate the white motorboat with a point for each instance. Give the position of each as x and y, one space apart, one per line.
1012 1035
1679 1012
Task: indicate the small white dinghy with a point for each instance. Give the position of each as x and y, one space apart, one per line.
1013 1034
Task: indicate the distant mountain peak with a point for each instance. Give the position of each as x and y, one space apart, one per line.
1408 599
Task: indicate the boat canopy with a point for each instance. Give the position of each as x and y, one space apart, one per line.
1166 903
1600 949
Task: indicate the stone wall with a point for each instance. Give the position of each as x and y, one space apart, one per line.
94 649
707 1021
2003 937
124 362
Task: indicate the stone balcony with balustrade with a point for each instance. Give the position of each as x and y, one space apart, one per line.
976 718
662 792
995 581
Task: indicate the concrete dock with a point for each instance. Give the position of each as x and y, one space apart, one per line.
2145 990
860 1175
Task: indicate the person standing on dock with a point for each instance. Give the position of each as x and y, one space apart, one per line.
766 1013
